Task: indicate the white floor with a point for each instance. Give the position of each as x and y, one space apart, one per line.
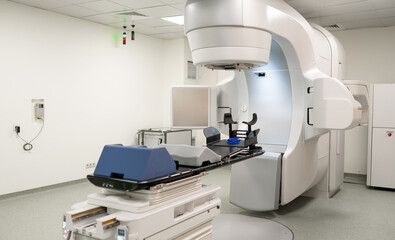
356 212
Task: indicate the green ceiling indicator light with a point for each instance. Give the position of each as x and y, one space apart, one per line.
133 35
124 36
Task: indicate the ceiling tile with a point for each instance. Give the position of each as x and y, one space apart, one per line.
179 6
339 9
137 4
162 11
314 14
173 1
121 24
103 6
388 12
362 24
44 4
76 1
388 21
181 33
75 11
104 18
328 20
167 36
127 17
342 2
351 13
149 31
316 21
172 29
155 22
303 6
348 8
380 4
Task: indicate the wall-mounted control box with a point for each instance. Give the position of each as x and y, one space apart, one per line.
39 111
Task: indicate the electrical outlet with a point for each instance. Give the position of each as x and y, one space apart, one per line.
90 165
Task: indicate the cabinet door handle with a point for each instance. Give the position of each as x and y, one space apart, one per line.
308 116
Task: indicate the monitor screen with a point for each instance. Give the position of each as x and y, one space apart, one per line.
190 107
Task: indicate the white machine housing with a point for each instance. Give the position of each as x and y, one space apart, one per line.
180 210
288 72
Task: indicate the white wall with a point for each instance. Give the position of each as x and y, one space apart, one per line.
173 72
96 92
370 55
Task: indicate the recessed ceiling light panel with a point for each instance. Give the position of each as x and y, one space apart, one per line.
175 19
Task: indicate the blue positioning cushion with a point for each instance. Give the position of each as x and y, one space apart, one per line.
135 163
233 140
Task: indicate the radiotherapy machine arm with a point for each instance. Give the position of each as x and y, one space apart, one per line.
279 60
237 34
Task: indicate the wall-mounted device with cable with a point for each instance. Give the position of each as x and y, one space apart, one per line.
39 115
39 111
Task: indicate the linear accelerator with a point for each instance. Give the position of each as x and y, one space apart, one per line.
286 71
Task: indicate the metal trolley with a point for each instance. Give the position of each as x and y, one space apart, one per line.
152 137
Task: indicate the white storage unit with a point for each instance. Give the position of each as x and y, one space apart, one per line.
381 150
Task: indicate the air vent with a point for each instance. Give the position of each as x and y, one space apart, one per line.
333 27
129 13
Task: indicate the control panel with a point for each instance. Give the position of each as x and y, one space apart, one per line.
39 111
122 233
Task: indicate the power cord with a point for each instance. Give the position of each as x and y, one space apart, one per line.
28 146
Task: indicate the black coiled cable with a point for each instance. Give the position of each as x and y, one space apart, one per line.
28 146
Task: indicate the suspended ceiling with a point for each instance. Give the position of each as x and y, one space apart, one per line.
343 14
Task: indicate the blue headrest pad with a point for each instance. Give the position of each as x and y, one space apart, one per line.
134 163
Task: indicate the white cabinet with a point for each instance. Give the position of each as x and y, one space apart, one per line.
381 149
383 105
383 158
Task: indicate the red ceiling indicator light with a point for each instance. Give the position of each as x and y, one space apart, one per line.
124 36
133 35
